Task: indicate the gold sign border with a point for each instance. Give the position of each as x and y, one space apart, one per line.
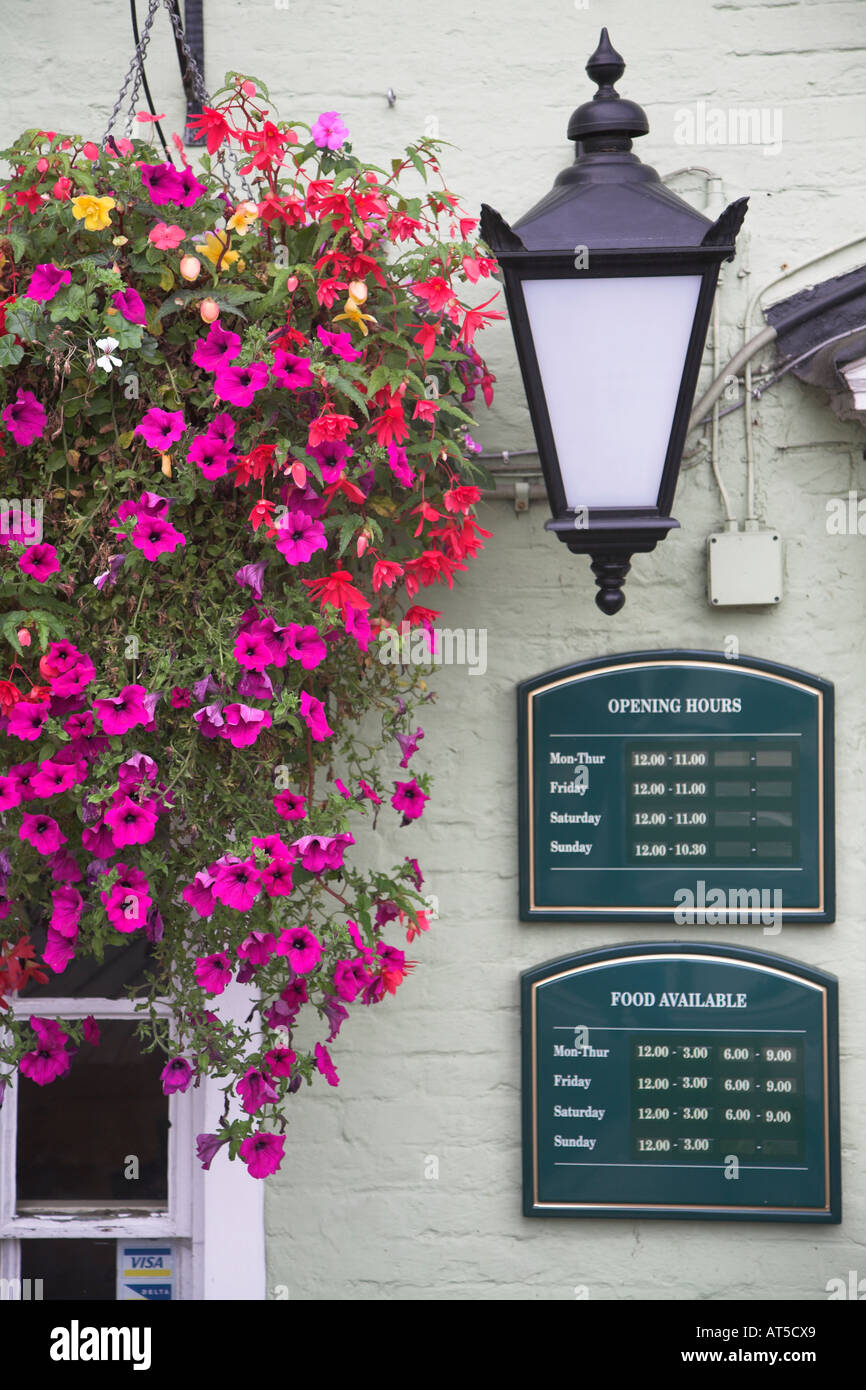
668 1206
665 912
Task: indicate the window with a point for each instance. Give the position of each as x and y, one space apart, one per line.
101 1195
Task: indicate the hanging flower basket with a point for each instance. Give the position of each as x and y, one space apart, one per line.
234 406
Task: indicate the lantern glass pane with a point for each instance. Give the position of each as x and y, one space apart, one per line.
611 353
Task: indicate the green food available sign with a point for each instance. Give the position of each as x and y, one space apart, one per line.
676 786
681 1080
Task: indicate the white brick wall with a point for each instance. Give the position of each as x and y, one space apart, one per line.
435 1071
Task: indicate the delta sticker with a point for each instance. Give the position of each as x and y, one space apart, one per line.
145 1270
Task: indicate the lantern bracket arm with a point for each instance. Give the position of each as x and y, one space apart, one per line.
726 227
496 232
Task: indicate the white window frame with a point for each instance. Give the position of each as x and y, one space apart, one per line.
217 1216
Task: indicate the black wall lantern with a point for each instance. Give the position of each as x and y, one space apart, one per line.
609 282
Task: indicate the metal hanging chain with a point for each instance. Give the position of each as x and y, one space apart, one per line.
136 67
198 86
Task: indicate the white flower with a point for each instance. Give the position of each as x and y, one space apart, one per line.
107 362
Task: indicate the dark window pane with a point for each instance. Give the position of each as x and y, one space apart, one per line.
77 1135
79 1270
87 978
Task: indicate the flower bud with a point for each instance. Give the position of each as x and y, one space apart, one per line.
24 637
292 284
358 291
209 310
190 267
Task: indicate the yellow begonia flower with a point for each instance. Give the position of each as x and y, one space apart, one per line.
95 211
352 312
213 248
243 215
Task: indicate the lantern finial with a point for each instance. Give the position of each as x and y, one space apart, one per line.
605 66
608 121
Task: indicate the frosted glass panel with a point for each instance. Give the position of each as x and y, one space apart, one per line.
611 354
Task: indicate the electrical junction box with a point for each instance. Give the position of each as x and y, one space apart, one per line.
744 567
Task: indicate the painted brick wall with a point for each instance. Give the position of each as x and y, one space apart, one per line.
434 1072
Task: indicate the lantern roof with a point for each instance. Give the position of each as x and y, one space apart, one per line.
607 199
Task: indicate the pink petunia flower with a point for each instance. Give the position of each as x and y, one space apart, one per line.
176 1076
199 893
263 1153
210 721
59 950
154 536
368 792
277 878
210 455
190 188
299 536
326 1066
10 796
340 344
243 724
39 561
238 385
313 715
252 651
256 1090
330 131
237 885
42 832
91 1031
398 463
258 947
120 713
217 349
350 978
166 235
290 805
130 304
306 645
130 824
213 973
54 778
24 419
128 903
331 456
303 949
409 745
67 908
161 428
207 1146
408 798
292 372
319 852
50 1059
45 281
98 840
162 183
280 1060
25 722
